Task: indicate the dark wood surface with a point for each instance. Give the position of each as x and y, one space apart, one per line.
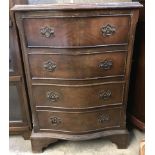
79 122
19 114
87 66
102 94
77 6
136 102
41 140
75 31
70 69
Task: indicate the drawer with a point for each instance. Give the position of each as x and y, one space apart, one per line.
78 122
83 66
72 32
78 96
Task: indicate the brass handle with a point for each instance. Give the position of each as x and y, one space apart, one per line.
55 120
49 66
105 95
108 30
106 64
103 118
47 31
52 96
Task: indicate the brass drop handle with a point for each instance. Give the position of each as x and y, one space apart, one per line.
103 118
105 95
47 31
106 64
49 66
55 121
108 30
52 96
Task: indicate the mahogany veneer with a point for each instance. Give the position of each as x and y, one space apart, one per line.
77 59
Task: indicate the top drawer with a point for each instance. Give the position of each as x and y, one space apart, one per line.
75 32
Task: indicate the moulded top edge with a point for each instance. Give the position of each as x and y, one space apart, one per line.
75 6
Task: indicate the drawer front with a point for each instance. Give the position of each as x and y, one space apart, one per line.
77 67
78 96
68 32
78 122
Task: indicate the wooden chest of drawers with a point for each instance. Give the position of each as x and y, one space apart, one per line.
77 59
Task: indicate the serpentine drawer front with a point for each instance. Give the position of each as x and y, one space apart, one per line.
77 59
77 67
87 96
77 31
87 121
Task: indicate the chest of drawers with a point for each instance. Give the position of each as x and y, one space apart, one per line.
77 59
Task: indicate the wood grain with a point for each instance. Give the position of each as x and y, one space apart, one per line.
73 73
68 93
77 67
81 122
75 31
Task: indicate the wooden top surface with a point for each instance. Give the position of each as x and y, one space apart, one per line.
77 6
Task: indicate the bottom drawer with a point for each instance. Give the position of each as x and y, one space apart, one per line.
78 122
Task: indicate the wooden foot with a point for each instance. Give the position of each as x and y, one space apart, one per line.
39 143
121 140
41 140
26 135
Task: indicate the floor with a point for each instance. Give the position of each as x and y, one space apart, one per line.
19 146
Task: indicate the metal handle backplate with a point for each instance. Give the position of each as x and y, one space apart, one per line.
49 66
52 96
108 30
47 31
106 64
105 94
55 120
